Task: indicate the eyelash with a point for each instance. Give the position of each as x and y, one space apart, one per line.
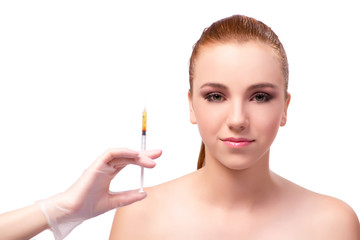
211 97
266 97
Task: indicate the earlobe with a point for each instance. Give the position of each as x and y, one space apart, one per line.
283 120
284 116
192 114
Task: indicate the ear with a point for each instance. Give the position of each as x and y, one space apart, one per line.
284 116
192 114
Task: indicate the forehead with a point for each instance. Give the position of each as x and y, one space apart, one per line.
233 63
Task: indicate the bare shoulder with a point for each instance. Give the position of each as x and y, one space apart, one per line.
146 217
338 219
322 216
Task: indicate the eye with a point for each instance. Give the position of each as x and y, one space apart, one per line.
261 97
214 97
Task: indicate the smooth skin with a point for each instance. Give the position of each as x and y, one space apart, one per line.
87 198
238 93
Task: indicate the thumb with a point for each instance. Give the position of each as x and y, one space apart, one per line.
125 198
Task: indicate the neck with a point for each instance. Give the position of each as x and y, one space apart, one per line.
228 188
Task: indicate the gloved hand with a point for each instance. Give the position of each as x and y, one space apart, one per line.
90 195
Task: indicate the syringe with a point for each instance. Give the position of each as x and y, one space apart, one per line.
143 146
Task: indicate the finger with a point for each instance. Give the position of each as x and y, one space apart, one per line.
125 198
145 159
114 160
152 153
142 161
119 153
113 153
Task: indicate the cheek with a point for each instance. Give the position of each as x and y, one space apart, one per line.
267 121
209 120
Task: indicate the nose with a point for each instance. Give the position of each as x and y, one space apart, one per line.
237 116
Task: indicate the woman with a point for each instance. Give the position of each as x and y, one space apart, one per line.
238 98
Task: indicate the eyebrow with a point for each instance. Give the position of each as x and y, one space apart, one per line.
252 87
214 85
262 85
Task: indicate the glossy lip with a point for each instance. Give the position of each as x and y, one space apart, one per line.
237 142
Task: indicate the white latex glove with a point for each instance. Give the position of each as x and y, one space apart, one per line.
90 195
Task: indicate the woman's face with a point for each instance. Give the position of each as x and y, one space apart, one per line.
238 101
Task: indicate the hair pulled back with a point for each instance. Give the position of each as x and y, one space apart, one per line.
239 29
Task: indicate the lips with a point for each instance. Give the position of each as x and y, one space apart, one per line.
237 142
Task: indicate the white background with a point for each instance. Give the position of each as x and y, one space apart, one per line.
75 76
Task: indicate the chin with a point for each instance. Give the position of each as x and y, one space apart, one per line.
238 161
